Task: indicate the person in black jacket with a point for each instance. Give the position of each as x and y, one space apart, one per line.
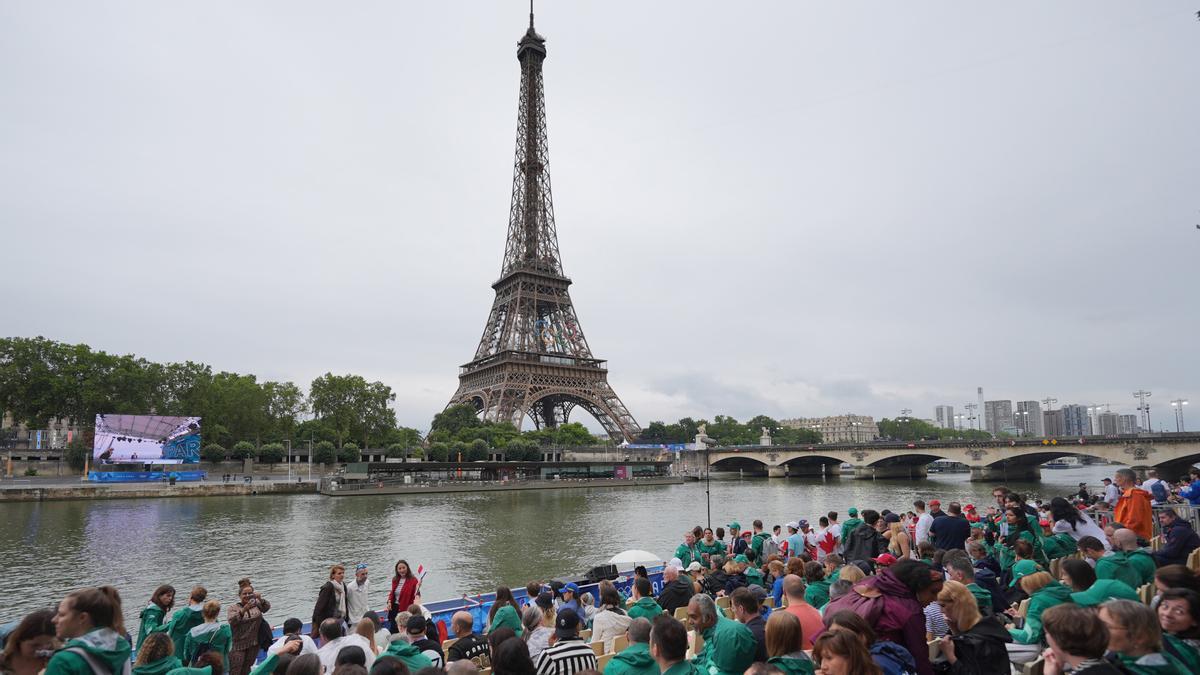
676 592
1179 539
975 645
866 542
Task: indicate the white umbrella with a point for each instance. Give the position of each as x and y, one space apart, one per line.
635 557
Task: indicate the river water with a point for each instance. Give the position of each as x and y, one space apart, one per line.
469 543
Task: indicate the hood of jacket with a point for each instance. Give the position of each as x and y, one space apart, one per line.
105 645
636 656
1179 528
204 629
894 653
887 582
1053 591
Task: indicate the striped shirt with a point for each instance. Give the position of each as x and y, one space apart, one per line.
935 623
566 657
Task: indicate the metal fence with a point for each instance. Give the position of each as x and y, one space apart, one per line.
1186 511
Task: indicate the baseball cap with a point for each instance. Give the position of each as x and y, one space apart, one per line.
886 559
803 524
852 511
1023 568
969 507
891 518
571 588
758 592
793 525
544 600
1102 591
739 558
566 623
734 525
415 624
746 534
694 567
1044 523
935 502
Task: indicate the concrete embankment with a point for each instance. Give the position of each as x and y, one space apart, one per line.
37 493
495 486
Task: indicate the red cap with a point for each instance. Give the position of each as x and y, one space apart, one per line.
934 502
1044 523
886 559
969 507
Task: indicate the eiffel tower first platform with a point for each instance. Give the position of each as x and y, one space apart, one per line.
533 358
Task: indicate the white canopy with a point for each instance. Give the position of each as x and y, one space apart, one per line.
635 557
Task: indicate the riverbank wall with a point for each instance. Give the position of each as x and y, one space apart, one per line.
40 493
494 486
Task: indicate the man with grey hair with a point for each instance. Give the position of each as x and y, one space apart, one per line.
959 568
728 645
462 667
1133 506
675 592
636 658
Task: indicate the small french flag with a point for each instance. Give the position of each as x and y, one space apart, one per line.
421 572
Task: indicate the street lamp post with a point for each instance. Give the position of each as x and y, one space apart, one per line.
289 458
1141 395
708 480
1178 405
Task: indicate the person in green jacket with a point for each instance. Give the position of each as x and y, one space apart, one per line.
208 636
643 602
756 542
687 551
90 621
185 619
504 612
852 522
785 644
1044 592
1058 545
409 654
1114 565
636 658
709 546
816 591
1135 639
156 656
161 602
729 646
1141 560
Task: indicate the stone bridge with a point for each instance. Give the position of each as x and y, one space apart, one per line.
996 460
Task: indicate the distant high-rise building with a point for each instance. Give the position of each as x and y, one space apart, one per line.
1029 418
1129 424
997 416
943 416
1076 421
1052 423
1109 424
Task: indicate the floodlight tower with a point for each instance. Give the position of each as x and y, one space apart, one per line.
1178 405
1144 408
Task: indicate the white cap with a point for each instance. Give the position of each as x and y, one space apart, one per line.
793 524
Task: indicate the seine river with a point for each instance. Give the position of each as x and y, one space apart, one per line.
468 543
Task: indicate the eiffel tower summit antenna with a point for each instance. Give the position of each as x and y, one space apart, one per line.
533 360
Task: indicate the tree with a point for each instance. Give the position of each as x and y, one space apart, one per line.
477 450
325 453
285 403
353 407
522 450
76 455
272 453
243 450
456 418
397 451
349 454
439 451
212 453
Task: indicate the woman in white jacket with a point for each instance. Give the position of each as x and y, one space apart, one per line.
610 620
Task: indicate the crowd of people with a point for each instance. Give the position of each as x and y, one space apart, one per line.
1074 582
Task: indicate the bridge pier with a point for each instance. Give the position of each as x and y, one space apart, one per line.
896 471
1000 474
777 472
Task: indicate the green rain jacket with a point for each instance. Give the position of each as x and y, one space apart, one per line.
983 598
206 670
102 644
1182 651
754 577
729 648
1059 545
506 617
646 608
687 555
181 623
715 548
1157 663
160 667
410 655
681 668
1144 563
634 660
152 619
220 636
1116 565
756 545
792 666
848 527
817 593
1050 595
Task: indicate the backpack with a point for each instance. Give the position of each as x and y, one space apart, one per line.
769 548
1159 492
201 650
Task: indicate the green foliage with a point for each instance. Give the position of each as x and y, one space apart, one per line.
213 453
912 429
31 471
572 434
325 453
397 451
349 453
243 450
439 451
726 430
76 455
477 450
456 418
272 453
522 450
354 407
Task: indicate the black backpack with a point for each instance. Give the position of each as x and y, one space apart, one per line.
265 635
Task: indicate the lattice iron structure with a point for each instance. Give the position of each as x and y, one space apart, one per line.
533 359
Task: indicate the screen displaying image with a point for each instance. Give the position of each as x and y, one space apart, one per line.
146 438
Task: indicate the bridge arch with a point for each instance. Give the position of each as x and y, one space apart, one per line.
740 463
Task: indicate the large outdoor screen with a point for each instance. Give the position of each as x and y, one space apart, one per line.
146 438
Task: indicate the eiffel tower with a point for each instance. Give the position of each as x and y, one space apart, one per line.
533 358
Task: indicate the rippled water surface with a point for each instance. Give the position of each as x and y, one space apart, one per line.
469 543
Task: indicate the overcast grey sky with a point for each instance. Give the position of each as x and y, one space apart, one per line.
774 207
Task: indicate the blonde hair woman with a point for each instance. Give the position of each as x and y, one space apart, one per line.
899 544
975 644
851 573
